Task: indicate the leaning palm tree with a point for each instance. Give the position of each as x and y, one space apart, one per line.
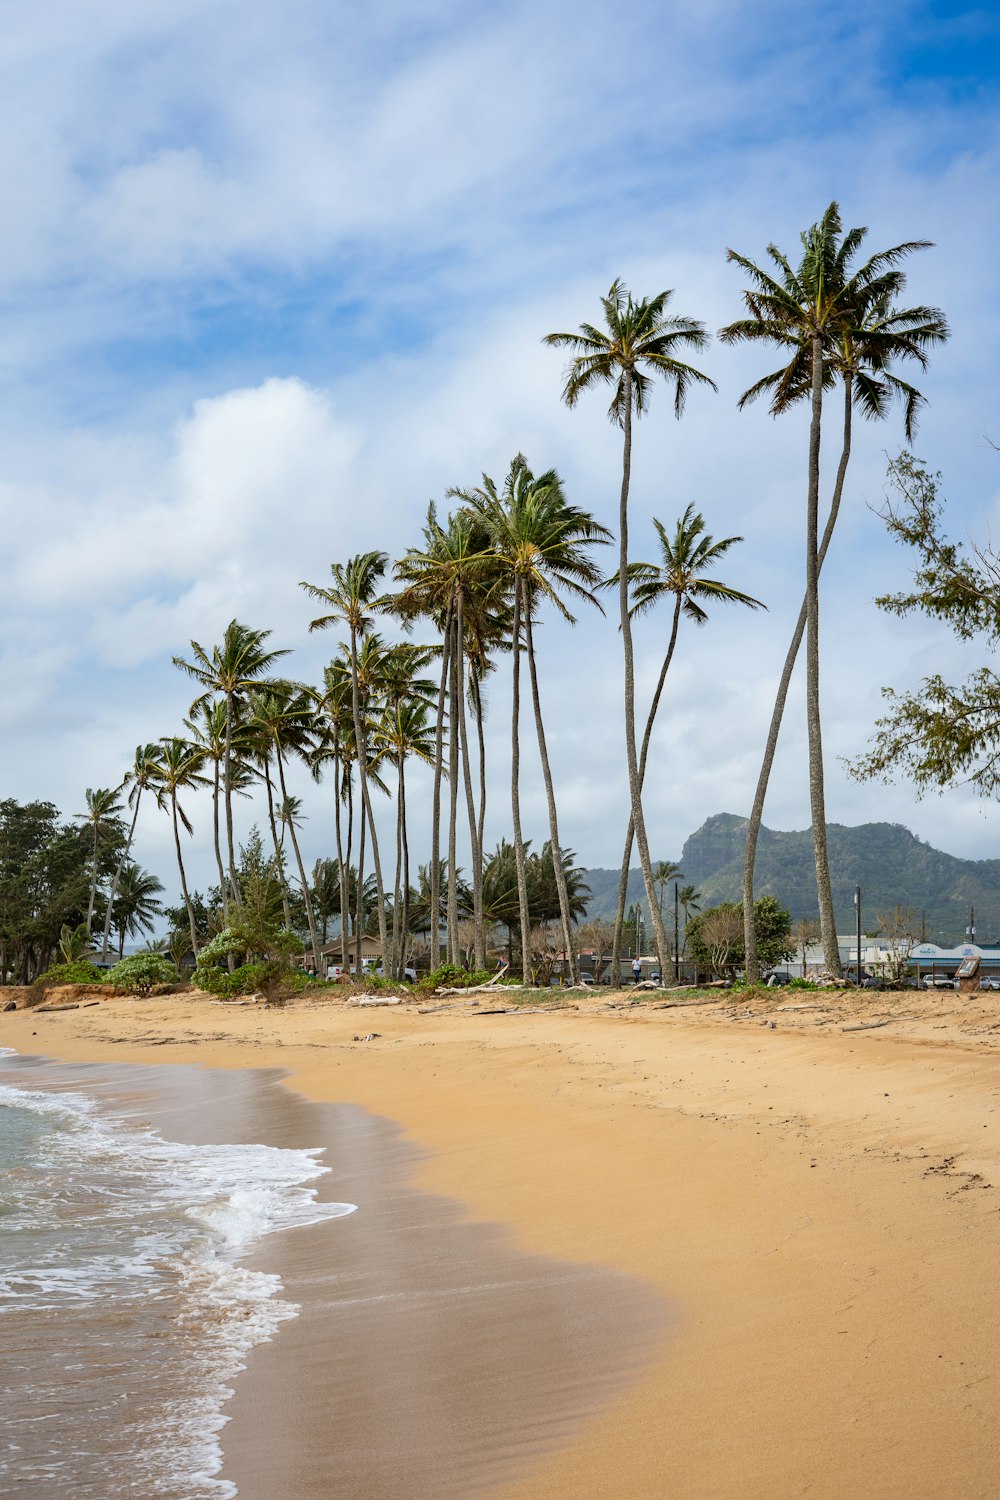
683 578
543 544
241 662
638 343
138 779
178 770
352 600
834 321
101 819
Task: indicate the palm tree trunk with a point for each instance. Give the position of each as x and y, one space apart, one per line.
396 891
479 940
480 737
634 786
616 942
223 883
405 924
278 855
515 794
306 898
93 885
558 867
817 800
359 896
228 796
757 811
362 743
453 953
435 872
106 938
342 869
180 867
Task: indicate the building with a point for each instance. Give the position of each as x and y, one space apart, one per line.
930 960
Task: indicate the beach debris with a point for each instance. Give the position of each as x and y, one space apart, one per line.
869 1025
369 1036
11 1005
74 1006
376 1000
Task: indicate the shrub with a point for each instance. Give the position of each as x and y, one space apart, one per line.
450 976
138 975
80 971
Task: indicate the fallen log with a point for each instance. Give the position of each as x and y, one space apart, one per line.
869 1025
74 1006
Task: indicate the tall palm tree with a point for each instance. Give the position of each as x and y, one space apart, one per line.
451 580
335 743
403 733
283 721
207 728
544 545
241 662
136 907
682 577
101 819
834 321
178 770
638 343
689 898
353 599
138 779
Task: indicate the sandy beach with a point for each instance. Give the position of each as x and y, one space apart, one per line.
817 1208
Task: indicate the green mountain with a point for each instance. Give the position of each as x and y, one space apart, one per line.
890 863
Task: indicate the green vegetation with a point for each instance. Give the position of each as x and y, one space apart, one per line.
142 972
80 971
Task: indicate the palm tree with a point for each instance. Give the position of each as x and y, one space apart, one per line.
179 769
403 732
665 873
543 545
353 599
683 577
452 580
638 343
207 728
138 780
335 743
688 898
282 720
241 662
834 321
101 818
136 906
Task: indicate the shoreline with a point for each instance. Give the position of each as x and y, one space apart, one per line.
816 1204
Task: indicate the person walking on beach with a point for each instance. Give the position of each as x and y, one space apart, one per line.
636 970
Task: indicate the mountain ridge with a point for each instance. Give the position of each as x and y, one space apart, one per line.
891 864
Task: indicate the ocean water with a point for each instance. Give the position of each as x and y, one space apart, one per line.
125 1308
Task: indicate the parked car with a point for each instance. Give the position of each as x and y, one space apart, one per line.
989 984
938 982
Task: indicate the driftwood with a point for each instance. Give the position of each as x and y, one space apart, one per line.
870 1025
808 1006
74 1006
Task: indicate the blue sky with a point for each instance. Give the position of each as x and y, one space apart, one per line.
273 276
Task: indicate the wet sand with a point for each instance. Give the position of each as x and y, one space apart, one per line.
817 1205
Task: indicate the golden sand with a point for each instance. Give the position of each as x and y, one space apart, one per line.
821 1205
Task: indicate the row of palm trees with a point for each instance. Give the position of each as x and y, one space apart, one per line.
476 586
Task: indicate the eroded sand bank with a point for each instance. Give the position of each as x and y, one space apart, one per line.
818 1205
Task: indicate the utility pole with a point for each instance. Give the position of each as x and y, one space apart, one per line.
970 931
857 912
677 934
